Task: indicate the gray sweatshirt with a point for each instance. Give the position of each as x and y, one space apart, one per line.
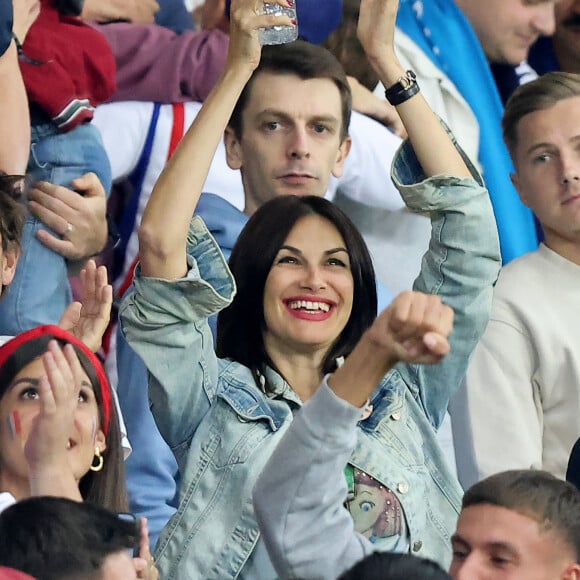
299 497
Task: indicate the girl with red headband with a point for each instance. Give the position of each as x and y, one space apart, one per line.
59 432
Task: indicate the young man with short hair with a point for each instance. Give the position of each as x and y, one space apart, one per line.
523 385
518 525
60 539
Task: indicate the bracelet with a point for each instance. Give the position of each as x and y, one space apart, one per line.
18 44
21 55
403 89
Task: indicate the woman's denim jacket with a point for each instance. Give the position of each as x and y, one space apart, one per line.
222 427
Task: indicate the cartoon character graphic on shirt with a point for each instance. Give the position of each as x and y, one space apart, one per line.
375 509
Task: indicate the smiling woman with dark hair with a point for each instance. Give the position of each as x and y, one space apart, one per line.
241 326
302 328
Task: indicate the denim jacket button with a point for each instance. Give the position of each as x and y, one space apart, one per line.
395 416
403 487
417 546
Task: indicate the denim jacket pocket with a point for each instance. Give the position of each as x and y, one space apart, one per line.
392 423
386 401
241 419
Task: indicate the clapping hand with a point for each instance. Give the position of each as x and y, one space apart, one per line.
89 318
144 563
45 448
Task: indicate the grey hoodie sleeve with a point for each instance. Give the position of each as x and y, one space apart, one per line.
299 496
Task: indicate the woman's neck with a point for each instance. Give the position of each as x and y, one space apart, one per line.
303 371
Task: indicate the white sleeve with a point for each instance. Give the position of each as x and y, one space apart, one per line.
123 127
6 500
497 419
125 444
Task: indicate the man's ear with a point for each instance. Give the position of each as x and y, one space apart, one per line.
341 156
515 179
572 572
9 263
233 149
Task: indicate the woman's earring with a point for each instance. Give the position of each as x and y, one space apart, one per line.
100 461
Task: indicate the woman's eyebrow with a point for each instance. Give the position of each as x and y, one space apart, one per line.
28 380
336 250
327 252
88 385
291 249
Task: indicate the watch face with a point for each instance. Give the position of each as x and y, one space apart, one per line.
403 89
409 79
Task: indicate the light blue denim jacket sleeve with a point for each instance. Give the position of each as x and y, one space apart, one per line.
461 266
165 321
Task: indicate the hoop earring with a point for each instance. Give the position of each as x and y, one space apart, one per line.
100 461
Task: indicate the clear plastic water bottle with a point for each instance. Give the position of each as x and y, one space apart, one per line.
278 34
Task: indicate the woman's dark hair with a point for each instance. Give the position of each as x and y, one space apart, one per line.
105 488
11 211
389 566
241 325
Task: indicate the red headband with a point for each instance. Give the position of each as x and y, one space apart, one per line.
9 348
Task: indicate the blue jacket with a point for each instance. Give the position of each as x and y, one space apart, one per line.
173 14
542 56
222 427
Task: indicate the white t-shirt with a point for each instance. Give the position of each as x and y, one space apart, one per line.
6 500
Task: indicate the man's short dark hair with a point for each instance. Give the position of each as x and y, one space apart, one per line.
381 565
306 61
553 503
537 95
54 538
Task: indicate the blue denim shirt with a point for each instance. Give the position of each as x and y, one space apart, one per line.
222 427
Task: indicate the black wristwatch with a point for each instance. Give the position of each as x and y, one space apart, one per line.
403 89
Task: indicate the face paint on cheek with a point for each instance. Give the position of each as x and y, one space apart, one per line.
94 431
14 424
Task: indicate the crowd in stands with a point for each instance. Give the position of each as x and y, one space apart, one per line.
306 310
